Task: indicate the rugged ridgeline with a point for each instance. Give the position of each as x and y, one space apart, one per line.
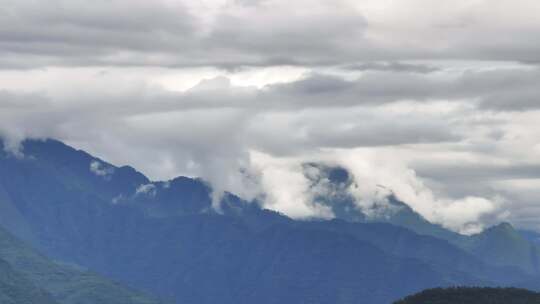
500 245
464 295
164 237
30 278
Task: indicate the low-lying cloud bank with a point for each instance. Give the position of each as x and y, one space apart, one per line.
375 176
381 125
435 102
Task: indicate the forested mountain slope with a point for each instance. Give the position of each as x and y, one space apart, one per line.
464 295
30 278
164 238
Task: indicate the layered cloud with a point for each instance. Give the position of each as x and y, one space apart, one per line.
436 102
233 33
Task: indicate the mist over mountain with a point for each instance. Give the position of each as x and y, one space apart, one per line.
500 245
269 151
166 238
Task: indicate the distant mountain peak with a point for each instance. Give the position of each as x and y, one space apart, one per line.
503 227
332 186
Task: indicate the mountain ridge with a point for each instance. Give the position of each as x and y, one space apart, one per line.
165 238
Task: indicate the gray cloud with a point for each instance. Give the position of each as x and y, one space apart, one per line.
475 172
75 33
432 99
393 67
260 33
213 129
500 89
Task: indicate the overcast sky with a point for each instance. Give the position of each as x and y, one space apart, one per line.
436 100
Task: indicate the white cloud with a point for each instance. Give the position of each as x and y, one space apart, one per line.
147 189
376 175
211 131
286 187
100 169
435 94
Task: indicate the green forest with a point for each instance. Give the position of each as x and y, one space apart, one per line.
468 295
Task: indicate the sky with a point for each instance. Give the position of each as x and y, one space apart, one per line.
436 101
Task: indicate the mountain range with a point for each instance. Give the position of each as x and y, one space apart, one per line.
82 216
